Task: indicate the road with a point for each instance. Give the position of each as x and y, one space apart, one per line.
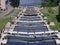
3 15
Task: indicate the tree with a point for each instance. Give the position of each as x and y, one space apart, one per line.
49 3
14 3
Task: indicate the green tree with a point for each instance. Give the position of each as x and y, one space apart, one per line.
14 3
49 3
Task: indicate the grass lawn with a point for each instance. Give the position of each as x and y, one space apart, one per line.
3 22
52 13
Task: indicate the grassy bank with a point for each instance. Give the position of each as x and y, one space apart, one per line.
3 22
51 14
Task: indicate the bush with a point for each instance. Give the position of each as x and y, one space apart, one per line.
51 10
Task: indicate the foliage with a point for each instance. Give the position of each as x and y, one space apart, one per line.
14 3
49 3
